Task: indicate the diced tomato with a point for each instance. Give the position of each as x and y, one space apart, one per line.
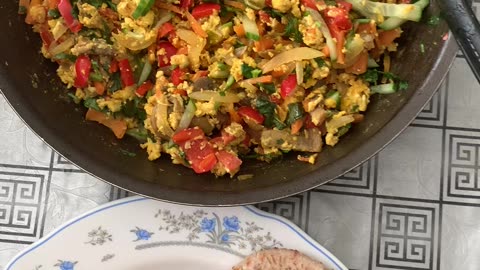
217 141
65 9
227 137
126 72
251 113
230 161
268 3
345 5
144 88
205 164
186 4
205 10
177 76
288 86
201 155
264 17
82 70
187 135
339 24
165 29
310 3
337 17
170 50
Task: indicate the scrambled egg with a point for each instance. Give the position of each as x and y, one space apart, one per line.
205 108
312 36
153 149
357 96
114 105
287 5
211 23
89 16
237 131
180 60
128 93
236 69
66 72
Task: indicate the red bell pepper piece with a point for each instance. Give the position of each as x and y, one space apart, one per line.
288 86
177 76
165 29
65 9
47 37
204 10
144 88
126 73
186 4
310 3
170 50
252 114
82 70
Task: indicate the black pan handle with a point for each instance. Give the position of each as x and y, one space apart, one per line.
466 29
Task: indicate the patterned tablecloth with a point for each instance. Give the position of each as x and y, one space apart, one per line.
416 205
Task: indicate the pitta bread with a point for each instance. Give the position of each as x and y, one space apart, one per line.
279 259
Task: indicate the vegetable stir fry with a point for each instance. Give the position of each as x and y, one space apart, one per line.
212 82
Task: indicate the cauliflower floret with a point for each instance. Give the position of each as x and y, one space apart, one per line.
153 149
114 105
312 36
89 16
180 60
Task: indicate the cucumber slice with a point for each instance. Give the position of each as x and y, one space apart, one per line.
393 22
251 28
388 88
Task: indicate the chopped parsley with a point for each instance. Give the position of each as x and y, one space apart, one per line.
291 30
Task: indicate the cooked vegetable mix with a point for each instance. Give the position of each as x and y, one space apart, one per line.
212 82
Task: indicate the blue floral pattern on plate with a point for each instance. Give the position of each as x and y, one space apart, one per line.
65 265
104 239
229 231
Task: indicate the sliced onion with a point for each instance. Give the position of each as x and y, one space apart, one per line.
240 51
196 45
331 44
335 123
187 116
147 69
164 16
295 54
62 47
160 117
299 72
215 96
59 29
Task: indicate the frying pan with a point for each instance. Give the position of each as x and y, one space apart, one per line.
30 85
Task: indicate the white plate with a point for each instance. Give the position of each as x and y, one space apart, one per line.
143 234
